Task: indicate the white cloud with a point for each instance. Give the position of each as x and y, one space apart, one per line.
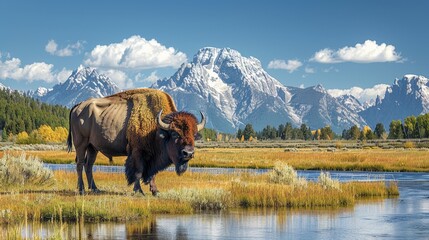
368 52
11 68
135 53
290 65
363 95
153 77
119 77
71 49
63 75
309 70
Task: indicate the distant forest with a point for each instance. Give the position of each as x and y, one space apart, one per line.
20 113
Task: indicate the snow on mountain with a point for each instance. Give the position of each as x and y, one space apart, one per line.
234 90
317 108
2 87
83 83
40 92
407 96
352 103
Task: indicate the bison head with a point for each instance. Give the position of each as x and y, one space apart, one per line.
179 131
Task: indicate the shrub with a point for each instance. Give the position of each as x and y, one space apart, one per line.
327 182
18 170
409 145
285 174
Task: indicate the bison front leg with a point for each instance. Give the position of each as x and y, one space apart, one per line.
152 187
138 166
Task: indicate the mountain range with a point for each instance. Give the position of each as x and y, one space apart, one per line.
83 83
233 90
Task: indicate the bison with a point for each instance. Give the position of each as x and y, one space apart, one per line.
142 124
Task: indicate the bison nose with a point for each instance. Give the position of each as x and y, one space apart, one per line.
187 154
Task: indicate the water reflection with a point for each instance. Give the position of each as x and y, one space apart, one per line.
406 217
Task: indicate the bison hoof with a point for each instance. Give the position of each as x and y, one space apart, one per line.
155 193
95 191
138 191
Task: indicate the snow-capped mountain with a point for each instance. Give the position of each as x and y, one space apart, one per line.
234 90
83 83
317 108
40 92
407 96
352 103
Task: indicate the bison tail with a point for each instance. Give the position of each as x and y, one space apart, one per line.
130 171
69 142
69 137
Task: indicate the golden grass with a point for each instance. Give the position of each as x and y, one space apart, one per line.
179 195
364 160
410 160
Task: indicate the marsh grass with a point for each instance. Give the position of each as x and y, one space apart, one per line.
186 194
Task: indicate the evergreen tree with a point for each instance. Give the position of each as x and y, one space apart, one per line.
239 133
248 132
288 131
306 132
354 132
280 131
379 130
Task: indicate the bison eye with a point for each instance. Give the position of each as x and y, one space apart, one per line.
197 136
175 135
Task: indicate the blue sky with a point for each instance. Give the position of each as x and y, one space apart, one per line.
339 44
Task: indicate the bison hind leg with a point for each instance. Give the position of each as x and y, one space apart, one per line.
130 171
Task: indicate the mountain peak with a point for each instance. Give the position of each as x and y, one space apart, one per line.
83 83
319 88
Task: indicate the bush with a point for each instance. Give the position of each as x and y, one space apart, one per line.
285 174
409 145
327 182
18 170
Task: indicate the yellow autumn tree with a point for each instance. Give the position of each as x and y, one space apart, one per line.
46 133
365 130
22 137
219 137
61 134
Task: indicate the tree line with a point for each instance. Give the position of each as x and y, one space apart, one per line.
411 127
20 113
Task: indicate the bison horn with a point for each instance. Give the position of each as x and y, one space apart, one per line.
162 124
201 125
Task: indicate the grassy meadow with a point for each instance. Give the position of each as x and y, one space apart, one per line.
397 159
